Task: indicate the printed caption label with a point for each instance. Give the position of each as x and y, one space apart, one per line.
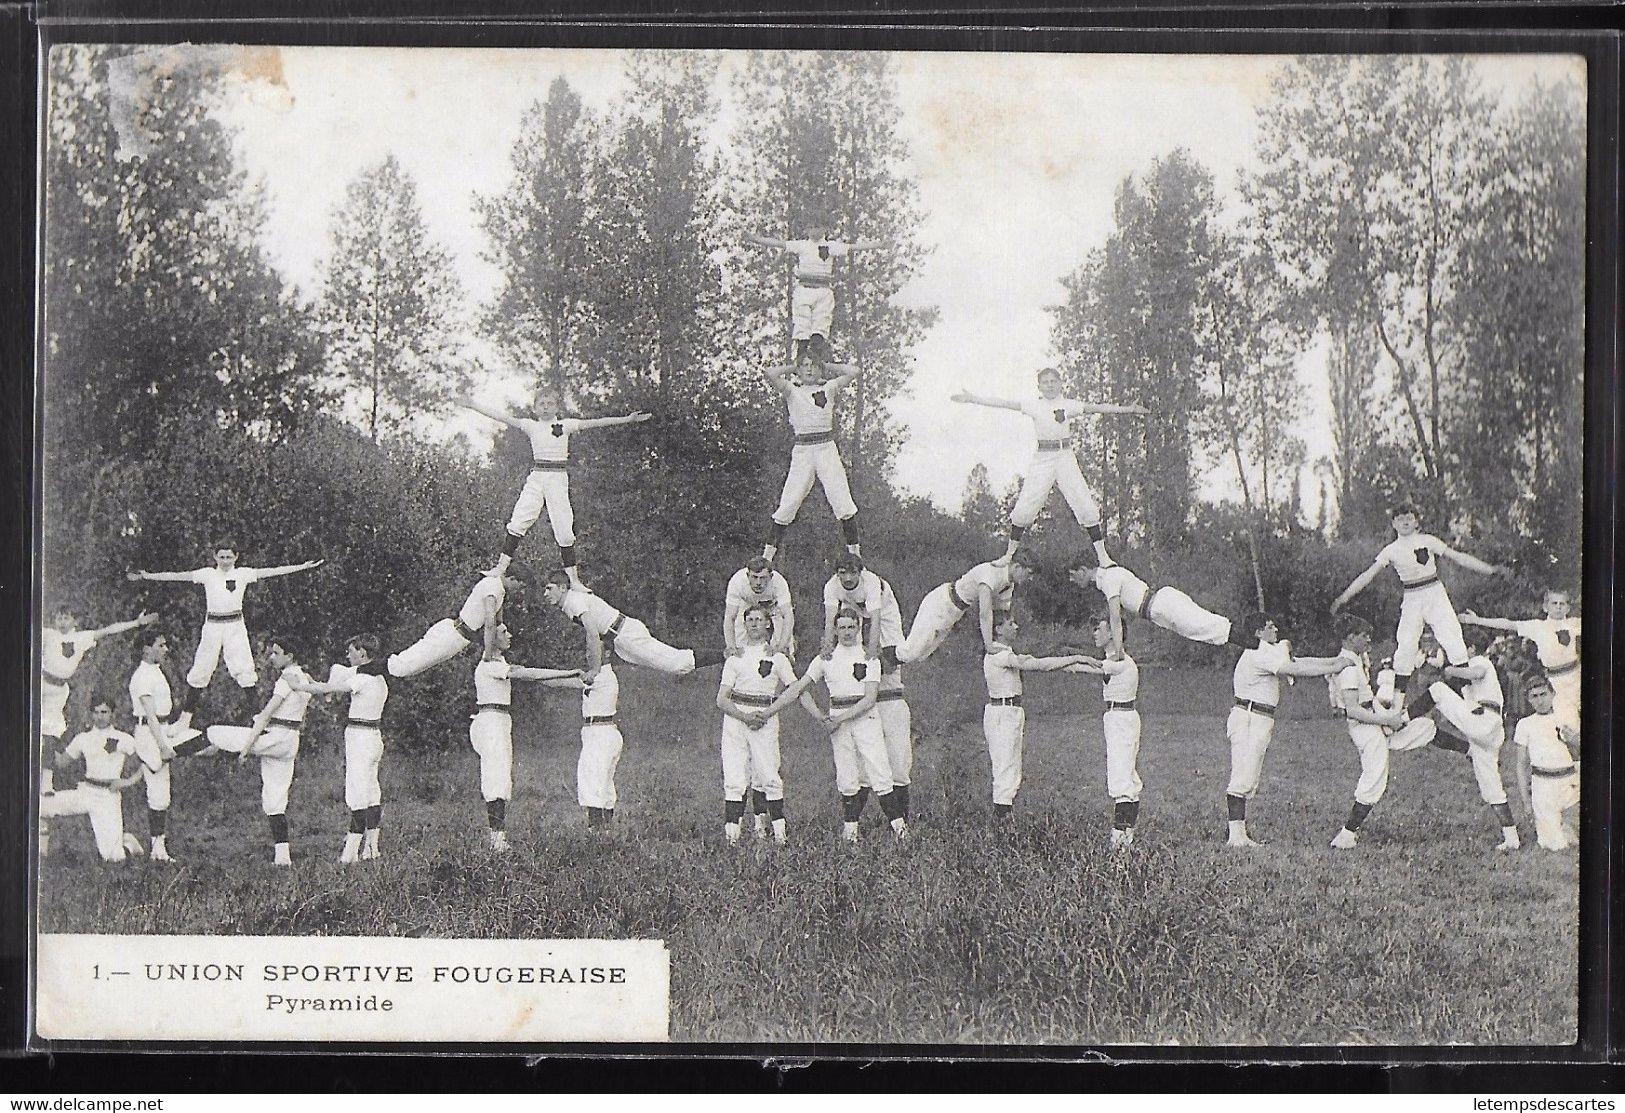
197 987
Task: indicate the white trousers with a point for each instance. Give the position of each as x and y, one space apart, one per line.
1249 734
276 748
1004 728
53 709
1484 733
1429 606
750 759
859 747
1549 798
1122 730
1178 613
634 643
157 787
1372 743
812 311
363 754
491 735
550 490
601 745
932 622
230 639
105 809
807 463
897 727
439 644
1048 470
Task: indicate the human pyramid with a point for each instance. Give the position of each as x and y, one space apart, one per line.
1440 689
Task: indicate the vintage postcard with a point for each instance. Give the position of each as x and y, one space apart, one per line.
588 546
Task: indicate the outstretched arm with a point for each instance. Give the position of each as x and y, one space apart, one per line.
766 241
608 422
1468 671
493 611
320 687
575 683
1050 664
1361 582
984 400
146 618
730 616
1313 666
1470 562
1507 624
288 569
486 411
595 652
525 672
163 577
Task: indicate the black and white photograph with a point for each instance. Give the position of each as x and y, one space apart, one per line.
812 547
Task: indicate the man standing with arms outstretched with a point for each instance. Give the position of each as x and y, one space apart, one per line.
1055 464
224 631
490 730
811 402
812 300
1251 725
1412 555
362 679
548 485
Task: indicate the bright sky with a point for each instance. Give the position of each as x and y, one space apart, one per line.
1017 157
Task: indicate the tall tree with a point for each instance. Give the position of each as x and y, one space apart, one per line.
538 236
390 305
1371 182
1515 429
1131 330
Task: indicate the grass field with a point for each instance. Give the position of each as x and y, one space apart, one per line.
1035 934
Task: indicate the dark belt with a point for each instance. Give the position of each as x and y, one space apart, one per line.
291 724
550 465
1255 707
953 597
54 680
819 282
845 701
1145 603
815 438
1418 585
1051 446
463 628
502 707
613 630
598 721
1559 670
352 722
234 616
1487 706
1563 772
97 781
1120 705
889 693
1004 701
753 700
